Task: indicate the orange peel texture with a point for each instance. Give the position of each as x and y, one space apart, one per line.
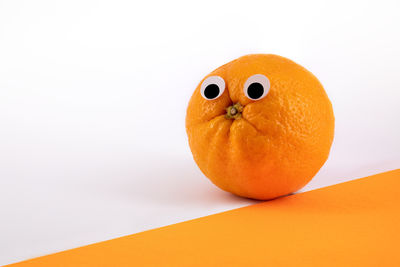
261 148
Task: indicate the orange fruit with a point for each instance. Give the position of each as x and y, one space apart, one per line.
260 126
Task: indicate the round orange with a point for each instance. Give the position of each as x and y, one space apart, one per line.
262 148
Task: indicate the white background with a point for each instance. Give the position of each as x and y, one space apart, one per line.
93 97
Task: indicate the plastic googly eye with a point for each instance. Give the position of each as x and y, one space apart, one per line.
212 87
256 87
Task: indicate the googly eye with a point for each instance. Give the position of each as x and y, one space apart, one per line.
212 87
256 87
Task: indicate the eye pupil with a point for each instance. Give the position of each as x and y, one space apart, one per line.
255 90
211 91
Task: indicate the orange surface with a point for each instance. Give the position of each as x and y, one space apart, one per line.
277 144
356 223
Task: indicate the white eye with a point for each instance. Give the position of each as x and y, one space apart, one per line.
212 87
256 87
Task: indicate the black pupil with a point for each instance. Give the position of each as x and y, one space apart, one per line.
211 91
255 90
